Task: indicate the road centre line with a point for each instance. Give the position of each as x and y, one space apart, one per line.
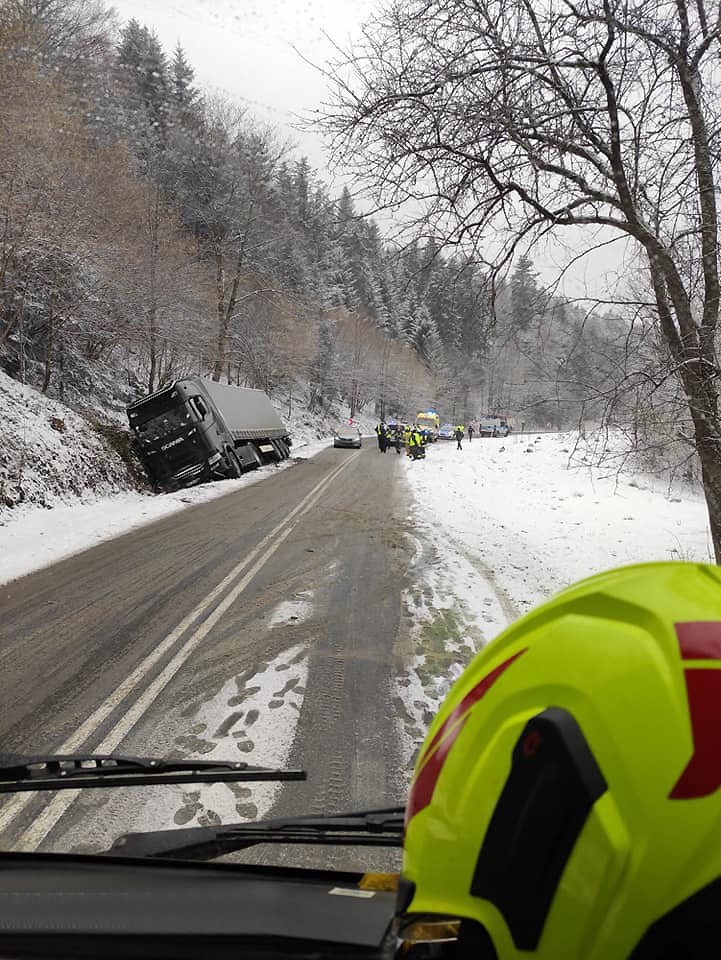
34 834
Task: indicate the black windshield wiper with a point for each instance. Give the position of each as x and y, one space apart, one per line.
30 773
368 828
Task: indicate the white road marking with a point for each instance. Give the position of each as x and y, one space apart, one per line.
36 833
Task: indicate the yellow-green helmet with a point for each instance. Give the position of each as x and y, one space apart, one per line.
566 802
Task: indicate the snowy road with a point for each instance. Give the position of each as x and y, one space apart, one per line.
314 619
260 626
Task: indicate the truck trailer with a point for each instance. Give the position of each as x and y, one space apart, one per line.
194 430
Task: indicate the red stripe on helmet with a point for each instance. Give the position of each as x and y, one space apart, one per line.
699 639
702 775
424 784
471 698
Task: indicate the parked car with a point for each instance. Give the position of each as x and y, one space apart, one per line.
347 435
493 427
446 431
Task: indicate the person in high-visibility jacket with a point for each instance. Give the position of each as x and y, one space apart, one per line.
394 439
407 440
416 445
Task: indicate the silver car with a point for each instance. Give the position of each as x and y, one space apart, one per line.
347 435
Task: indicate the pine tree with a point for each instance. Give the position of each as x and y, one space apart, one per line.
145 88
182 78
526 299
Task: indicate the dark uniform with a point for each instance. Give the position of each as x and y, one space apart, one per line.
382 441
459 436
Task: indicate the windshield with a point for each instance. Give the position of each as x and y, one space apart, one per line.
321 217
160 424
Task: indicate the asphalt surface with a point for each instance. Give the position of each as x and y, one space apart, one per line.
101 651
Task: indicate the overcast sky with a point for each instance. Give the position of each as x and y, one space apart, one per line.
256 52
246 49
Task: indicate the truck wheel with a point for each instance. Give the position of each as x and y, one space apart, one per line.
235 467
256 454
284 449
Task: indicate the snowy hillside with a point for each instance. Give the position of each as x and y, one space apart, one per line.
49 454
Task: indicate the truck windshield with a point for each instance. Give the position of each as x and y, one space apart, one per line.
161 422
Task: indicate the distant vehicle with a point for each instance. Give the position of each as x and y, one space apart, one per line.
347 435
493 427
398 426
430 423
193 430
446 431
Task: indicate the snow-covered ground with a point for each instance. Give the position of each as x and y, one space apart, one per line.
48 452
505 523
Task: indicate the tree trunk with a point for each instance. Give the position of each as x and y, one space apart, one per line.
153 346
61 366
698 381
710 456
13 318
154 236
222 314
48 354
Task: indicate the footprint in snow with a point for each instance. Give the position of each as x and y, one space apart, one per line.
191 806
209 818
290 685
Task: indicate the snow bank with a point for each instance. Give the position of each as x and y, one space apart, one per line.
49 454
539 515
506 523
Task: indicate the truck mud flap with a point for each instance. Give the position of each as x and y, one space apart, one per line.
249 456
282 450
